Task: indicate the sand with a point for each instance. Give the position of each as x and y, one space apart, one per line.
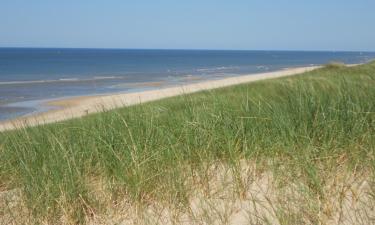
82 106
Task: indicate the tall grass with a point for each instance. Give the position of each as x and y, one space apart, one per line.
302 128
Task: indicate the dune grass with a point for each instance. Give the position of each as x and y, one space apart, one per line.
307 129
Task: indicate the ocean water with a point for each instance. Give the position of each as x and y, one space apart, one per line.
30 76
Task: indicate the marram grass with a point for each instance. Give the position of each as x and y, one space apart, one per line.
300 128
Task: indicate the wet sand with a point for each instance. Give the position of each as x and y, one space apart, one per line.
84 105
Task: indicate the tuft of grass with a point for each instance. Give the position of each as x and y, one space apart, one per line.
306 130
335 65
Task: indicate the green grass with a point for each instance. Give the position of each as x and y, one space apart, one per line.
301 128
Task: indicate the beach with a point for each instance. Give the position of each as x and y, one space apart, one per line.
80 106
189 112
255 151
31 77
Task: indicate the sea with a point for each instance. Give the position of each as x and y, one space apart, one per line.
31 76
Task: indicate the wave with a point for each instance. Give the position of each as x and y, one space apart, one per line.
261 67
215 69
73 79
233 68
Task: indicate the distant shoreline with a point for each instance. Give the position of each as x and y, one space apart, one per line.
30 77
76 107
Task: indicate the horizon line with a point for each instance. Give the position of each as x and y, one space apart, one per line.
184 49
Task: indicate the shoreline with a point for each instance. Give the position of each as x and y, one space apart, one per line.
76 107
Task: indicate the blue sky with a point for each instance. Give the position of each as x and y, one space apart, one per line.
190 24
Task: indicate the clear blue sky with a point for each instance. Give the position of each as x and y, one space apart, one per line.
190 24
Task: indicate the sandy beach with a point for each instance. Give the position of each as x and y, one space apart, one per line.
80 106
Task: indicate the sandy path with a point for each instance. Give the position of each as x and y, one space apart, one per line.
81 106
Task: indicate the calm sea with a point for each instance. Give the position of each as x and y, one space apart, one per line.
30 76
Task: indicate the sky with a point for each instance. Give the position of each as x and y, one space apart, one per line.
190 24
